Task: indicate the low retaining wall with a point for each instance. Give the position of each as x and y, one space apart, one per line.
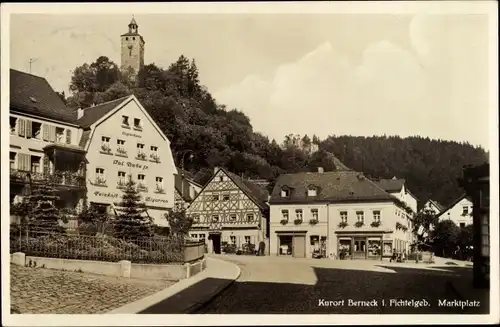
122 268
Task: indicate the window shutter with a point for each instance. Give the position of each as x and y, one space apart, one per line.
45 128
20 161
21 127
68 136
46 165
29 129
52 133
27 162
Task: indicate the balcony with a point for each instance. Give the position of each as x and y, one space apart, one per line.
60 178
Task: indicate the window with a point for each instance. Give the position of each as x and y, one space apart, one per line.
137 123
100 178
140 151
196 219
225 197
343 216
194 235
376 215
105 140
285 193
215 197
141 177
215 218
298 214
284 214
361 216
221 178
35 164
159 184
462 225
465 211
121 178
154 148
36 129
120 142
233 239
59 135
125 120
232 217
250 217
202 238
140 146
13 123
247 239
12 160
311 192
314 214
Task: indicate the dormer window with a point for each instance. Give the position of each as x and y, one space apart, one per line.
312 191
285 192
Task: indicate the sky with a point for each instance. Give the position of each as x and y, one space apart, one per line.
323 74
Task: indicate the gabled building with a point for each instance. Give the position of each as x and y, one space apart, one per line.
433 206
397 187
459 211
229 209
186 189
121 140
331 212
44 142
88 154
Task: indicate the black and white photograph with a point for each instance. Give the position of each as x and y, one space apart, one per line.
210 163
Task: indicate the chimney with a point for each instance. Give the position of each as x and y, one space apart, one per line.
216 169
79 113
321 170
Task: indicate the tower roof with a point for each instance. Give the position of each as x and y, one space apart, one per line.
132 22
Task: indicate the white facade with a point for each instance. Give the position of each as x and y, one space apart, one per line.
327 228
308 212
138 149
460 213
431 206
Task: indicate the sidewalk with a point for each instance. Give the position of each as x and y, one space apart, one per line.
187 295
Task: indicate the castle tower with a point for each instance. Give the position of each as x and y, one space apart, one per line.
132 60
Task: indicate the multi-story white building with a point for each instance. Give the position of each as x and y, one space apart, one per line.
88 153
327 211
460 211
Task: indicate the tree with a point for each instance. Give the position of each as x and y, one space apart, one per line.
23 210
131 223
96 77
179 222
44 215
446 238
92 220
306 140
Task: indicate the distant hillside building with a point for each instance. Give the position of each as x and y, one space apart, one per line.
132 51
299 142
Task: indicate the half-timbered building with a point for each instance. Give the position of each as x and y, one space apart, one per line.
230 209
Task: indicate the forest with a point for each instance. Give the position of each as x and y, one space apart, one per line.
219 136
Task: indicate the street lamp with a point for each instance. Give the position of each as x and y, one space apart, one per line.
191 156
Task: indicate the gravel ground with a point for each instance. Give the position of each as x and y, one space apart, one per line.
39 290
287 286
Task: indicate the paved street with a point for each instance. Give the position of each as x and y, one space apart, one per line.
288 285
39 290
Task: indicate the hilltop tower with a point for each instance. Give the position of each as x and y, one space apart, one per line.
132 56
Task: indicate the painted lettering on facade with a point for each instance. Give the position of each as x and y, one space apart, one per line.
130 164
131 134
153 200
106 194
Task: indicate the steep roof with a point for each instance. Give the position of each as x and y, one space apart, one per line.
256 193
333 186
437 205
391 185
454 203
33 95
93 114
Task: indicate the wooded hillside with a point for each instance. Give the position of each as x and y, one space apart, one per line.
219 136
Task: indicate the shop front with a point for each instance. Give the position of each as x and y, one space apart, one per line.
292 243
372 245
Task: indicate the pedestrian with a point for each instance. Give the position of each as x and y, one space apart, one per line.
393 257
403 258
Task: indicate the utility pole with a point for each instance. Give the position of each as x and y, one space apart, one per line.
32 61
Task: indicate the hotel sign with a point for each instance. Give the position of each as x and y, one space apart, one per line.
131 134
130 164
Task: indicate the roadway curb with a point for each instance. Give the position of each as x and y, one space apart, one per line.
171 291
199 305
